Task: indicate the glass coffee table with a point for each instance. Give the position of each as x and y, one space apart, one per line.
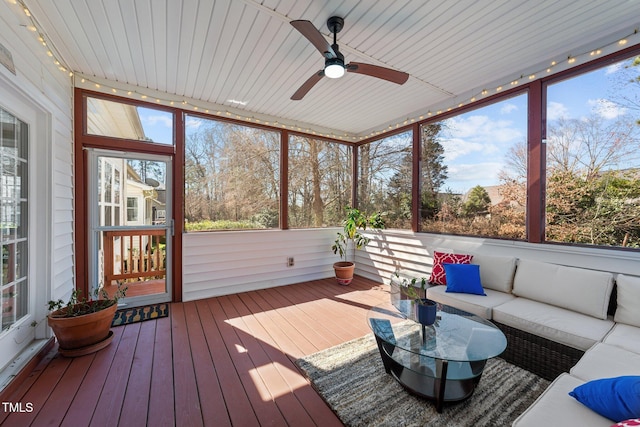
443 361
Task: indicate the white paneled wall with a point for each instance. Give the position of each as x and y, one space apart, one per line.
220 263
395 249
46 91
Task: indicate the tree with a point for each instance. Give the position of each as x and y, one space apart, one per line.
478 202
433 172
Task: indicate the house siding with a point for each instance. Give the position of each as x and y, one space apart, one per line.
42 84
221 263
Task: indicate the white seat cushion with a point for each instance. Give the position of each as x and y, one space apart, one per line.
628 309
496 272
560 286
555 407
624 336
480 305
556 324
606 361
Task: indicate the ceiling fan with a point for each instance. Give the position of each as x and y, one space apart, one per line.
334 66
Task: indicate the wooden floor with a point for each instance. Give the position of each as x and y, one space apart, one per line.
217 362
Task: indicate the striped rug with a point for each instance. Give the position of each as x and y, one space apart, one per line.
351 379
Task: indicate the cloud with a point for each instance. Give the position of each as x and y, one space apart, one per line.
556 110
508 108
606 109
166 121
193 123
463 176
612 69
457 147
484 130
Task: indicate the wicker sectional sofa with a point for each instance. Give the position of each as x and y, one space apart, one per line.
566 324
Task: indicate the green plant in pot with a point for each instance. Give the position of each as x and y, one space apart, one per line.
82 326
425 309
354 223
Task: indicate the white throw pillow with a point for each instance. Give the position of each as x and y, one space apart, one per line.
628 310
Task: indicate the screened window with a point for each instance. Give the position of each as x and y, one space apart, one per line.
232 176
127 121
384 179
319 182
593 161
473 172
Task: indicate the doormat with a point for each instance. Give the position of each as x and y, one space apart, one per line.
140 314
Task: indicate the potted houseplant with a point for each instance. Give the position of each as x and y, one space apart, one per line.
425 309
354 222
82 326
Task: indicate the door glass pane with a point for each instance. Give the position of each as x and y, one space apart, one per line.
131 195
13 219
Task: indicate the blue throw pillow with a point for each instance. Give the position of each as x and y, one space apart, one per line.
463 278
615 398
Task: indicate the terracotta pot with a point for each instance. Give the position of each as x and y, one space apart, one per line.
83 334
344 272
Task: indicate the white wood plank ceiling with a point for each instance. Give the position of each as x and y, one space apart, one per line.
246 50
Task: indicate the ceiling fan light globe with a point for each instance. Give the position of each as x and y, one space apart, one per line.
334 71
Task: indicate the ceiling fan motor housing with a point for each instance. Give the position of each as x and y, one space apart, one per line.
335 24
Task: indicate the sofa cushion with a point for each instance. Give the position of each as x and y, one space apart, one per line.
615 398
555 407
496 272
438 275
606 361
463 278
560 286
624 336
628 309
553 323
480 305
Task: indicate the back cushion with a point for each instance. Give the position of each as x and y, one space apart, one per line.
577 289
496 272
628 310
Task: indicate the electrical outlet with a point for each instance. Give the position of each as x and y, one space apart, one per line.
290 261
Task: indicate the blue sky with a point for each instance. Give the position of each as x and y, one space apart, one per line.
476 142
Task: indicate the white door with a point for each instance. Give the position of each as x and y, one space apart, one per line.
130 225
25 218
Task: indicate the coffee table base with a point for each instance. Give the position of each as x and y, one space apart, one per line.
435 387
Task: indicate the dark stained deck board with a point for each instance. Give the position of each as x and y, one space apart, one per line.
265 410
161 410
280 393
237 404
57 405
86 399
136 398
188 411
110 403
218 361
209 390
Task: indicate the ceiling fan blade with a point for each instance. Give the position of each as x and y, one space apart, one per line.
380 72
316 38
306 87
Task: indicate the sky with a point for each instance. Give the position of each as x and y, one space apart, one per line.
476 142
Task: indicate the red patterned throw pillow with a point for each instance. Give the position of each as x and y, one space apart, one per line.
628 423
438 275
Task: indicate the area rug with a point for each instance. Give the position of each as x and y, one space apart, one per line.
351 379
140 314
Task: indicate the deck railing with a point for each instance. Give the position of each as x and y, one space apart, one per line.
133 254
